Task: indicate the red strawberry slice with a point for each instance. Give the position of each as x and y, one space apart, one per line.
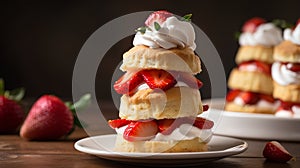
140 131
203 123
166 126
128 82
274 151
158 79
295 67
261 67
158 16
190 80
117 123
251 25
205 107
231 95
249 97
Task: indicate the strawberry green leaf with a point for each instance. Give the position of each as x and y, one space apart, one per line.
237 35
1 86
82 103
282 23
141 29
156 26
187 17
16 94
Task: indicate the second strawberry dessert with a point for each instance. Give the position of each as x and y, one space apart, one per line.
161 98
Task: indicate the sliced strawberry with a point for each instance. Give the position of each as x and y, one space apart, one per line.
287 105
166 126
158 16
117 123
268 98
190 80
156 78
140 131
274 151
261 67
295 67
203 123
205 107
249 97
251 25
128 82
231 95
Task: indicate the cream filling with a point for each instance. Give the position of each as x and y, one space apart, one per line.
260 104
183 132
295 113
283 76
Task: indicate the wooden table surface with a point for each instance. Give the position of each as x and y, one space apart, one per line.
16 152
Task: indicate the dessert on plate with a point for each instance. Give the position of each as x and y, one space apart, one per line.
160 95
286 73
250 83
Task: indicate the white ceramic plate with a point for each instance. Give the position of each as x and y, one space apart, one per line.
254 126
219 147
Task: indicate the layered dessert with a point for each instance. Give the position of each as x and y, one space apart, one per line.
286 73
160 95
250 83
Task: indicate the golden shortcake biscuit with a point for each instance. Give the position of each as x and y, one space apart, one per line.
172 103
143 57
193 145
250 81
259 53
287 52
231 106
288 93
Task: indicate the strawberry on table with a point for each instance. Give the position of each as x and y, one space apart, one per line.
274 151
50 118
11 113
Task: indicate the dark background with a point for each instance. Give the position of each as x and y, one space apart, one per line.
39 41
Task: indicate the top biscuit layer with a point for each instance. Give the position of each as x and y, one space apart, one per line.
143 57
287 52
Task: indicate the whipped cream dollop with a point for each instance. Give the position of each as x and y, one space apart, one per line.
260 104
173 33
283 76
183 132
294 113
266 34
292 35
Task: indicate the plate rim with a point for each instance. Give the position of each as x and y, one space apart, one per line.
161 156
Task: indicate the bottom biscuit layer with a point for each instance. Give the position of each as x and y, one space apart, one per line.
194 145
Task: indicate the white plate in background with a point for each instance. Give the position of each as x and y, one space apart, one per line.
253 126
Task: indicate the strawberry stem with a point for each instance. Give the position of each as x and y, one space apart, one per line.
15 94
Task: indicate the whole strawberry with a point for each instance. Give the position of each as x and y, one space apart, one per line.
11 113
50 118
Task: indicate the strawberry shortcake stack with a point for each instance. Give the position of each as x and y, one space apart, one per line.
160 96
286 73
251 82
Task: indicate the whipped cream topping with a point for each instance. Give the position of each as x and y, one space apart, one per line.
294 113
292 35
266 34
260 104
172 34
283 76
183 132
